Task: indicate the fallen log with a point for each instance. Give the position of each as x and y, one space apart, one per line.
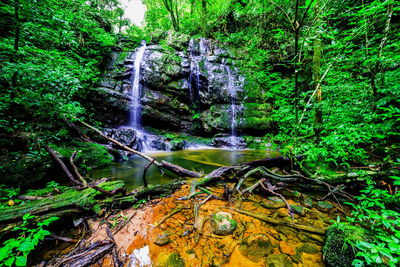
71 198
178 170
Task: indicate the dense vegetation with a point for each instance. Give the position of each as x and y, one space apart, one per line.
324 74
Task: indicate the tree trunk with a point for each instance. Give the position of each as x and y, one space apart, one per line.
378 66
16 44
296 60
317 75
172 8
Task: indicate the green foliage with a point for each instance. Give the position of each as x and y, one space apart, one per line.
15 251
52 188
374 214
375 241
52 54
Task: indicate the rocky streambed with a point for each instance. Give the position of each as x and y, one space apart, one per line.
175 231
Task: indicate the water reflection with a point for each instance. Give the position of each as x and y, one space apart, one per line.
201 160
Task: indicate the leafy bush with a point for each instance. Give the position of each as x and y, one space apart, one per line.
372 213
15 251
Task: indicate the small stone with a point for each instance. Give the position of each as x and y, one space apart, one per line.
324 206
302 237
271 204
308 202
279 260
308 248
298 210
162 240
222 223
286 248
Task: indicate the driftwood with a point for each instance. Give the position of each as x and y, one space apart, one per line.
82 183
144 173
267 219
88 256
180 171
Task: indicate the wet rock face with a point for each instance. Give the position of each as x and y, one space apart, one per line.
187 78
222 223
125 136
182 80
229 142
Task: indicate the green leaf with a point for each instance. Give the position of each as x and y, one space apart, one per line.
26 246
9 261
21 260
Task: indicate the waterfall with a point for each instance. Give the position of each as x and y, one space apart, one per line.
135 106
135 113
232 91
194 77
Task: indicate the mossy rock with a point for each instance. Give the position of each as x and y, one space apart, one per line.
222 223
256 247
279 260
324 206
340 244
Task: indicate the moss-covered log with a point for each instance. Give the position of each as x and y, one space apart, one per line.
71 198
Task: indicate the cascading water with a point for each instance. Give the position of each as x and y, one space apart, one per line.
232 91
194 77
135 105
200 54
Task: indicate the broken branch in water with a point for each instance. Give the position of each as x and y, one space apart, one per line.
145 171
178 170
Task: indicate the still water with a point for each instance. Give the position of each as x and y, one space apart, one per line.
200 160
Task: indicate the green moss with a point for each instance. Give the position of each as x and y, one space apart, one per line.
89 155
257 116
339 246
175 260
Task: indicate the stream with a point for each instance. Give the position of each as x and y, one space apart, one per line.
202 160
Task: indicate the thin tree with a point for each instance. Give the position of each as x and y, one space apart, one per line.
172 8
